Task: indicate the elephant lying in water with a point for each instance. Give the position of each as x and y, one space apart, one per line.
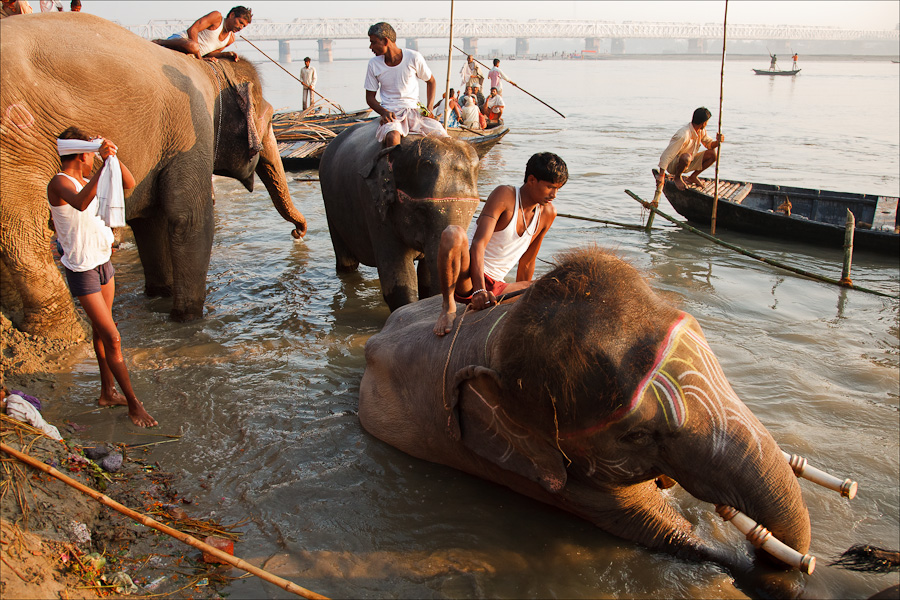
581 393
176 120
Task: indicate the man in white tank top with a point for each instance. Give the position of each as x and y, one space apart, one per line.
210 34
86 249
509 229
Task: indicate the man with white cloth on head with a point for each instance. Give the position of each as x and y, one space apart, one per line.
394 72
84 234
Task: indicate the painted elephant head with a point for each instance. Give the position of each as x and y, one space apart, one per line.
582 393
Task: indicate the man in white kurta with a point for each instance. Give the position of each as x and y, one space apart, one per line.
395 73
308 78
683 152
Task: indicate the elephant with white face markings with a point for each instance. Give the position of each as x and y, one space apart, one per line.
176 121
582 393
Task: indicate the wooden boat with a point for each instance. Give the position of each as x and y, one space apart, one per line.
768 72
302 138
482 139
815 216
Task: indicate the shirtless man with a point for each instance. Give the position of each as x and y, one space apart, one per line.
682 154
210 34
511 227
86 243
395 73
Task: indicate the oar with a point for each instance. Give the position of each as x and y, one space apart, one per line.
515 85
337 106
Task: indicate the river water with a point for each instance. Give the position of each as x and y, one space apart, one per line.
264 389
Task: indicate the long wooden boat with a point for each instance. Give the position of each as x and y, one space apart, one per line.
792 213
768 72
482 139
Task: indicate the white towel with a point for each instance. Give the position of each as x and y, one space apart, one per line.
109 187
20 409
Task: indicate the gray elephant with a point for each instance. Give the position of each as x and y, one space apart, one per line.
176 120
387 208
583 393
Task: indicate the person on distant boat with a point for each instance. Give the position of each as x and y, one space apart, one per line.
795 57
493 109
395 73
471 73
210 34
496 75
681 155
12 8
469 112
453 117
75 6
772 64
308 78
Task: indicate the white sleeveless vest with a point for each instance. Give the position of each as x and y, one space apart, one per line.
84 237
506 247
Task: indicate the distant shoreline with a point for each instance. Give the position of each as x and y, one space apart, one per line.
760 58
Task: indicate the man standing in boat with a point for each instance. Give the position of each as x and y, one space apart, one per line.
683 152
210 34
308 78
772 64
395 73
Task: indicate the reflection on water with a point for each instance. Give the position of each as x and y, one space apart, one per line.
264 388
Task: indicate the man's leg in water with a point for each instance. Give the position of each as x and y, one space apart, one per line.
98 307
453 270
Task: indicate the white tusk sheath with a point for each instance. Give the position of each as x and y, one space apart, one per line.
846 488
761 537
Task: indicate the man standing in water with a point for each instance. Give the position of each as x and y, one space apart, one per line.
682 154
510 229
395 73
86 243
210 34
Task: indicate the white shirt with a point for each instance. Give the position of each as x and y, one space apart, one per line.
399 85
469 71
494 103
308 76
685 140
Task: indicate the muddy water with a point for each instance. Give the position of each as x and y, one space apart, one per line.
264 389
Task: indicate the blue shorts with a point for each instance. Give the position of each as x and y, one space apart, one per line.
89 282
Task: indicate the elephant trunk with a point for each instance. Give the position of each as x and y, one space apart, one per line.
271 172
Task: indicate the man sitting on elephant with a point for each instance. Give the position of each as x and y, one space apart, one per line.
86 243
511 227
395 73
210 34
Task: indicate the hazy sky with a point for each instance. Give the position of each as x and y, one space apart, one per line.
857 14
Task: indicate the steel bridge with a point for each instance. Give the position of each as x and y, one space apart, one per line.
327 30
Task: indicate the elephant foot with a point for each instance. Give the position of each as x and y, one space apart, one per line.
184 316
346 267
154 290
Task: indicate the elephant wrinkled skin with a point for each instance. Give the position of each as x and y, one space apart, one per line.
387 208
176 121
581 393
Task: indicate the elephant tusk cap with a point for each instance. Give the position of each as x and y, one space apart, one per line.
761 537
846 488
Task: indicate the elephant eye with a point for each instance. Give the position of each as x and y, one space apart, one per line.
638 437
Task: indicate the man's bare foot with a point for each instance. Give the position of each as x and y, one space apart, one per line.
444 323
679 183
112 399
141 417
693 180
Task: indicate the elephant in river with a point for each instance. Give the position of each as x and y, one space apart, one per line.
583 393
176 121
386 208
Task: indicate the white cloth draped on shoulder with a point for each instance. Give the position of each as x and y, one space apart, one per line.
109 188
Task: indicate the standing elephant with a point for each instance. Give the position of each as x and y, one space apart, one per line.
582 393
176 120
386 208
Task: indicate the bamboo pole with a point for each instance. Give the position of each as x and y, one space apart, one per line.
653 205
768 261
848 248
513 84
337 106
449 66
712 228
145 520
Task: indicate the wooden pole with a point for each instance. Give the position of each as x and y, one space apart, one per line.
655 203
145 520
449 66
712 227
848 248
337 106
513 84
768 261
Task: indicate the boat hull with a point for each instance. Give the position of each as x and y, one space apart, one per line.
774 73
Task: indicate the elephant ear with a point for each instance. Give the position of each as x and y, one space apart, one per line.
379 178
478 419
245 99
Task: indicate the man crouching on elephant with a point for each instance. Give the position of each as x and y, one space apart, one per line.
86 242
510 228
396 72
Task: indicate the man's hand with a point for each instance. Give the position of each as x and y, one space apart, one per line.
482 300
388 117
107 149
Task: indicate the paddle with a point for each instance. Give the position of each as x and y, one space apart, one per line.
515 85
337 106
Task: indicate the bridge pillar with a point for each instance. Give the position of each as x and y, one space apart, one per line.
592 44
696 46
284 51
470 45
412 44
325 50
617 46
521 46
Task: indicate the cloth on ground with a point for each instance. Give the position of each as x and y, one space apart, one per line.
21 410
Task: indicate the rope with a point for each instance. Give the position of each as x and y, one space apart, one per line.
447 362
217 132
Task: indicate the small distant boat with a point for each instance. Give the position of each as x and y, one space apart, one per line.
792 213
790 73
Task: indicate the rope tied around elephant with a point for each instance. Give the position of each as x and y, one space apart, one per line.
218 132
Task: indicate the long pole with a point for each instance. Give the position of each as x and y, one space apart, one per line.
145 520
712 227
337 106
518 86
449 66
